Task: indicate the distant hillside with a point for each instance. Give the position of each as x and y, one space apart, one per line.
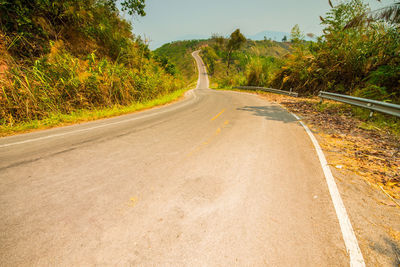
272 35
186 37
275 36
179 53
253 59
266 48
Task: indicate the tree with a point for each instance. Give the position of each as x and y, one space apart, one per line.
235 42
219 40
389 14
134 7
210 57
284 39
296 36
31 24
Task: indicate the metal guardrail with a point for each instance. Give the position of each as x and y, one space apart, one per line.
372 105
270 90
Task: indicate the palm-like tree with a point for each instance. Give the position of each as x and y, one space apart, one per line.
389 14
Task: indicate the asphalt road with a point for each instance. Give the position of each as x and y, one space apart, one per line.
217 179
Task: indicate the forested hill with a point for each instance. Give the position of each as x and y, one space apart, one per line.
358 54
179 54
67 56
180 58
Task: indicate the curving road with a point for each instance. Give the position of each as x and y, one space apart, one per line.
217 179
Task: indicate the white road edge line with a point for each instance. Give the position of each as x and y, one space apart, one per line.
198 70
102 125
350 240
112 123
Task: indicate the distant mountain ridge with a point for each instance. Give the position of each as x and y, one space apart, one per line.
273 35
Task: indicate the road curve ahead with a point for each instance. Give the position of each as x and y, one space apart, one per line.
217 179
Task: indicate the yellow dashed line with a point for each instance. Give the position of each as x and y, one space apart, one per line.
216 116
210 139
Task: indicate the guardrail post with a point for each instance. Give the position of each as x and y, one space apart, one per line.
372 112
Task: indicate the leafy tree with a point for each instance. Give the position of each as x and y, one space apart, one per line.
235 42
167 65
284 39
389 14
210 57
296 36
362 61
134 7
31 24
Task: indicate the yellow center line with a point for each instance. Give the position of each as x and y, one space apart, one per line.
216 116
208 141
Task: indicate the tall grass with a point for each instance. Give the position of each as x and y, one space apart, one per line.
82 115
60 83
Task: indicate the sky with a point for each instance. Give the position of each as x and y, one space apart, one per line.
170 20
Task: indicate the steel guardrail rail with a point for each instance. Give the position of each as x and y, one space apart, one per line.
373 105
270 90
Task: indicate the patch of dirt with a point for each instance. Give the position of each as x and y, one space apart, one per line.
366 167
372 154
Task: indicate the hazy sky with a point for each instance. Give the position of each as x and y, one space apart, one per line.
168 20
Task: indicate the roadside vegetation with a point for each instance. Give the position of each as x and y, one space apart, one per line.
357 54
178 55
215 53
62 58
236 61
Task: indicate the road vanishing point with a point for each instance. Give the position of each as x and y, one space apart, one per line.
219 178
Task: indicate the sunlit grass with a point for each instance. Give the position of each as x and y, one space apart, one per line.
79 116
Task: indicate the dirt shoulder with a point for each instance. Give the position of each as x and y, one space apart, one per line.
365 161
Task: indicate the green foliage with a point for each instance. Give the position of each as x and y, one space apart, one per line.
31 24
389 14
64 56
362 61
83 115
359 61
296 36
179 54
62 83
166 64
133 7
235 42
252 64
209 57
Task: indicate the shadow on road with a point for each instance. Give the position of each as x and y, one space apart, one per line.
270 113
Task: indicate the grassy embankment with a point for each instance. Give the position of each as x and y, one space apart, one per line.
74 61
85 115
